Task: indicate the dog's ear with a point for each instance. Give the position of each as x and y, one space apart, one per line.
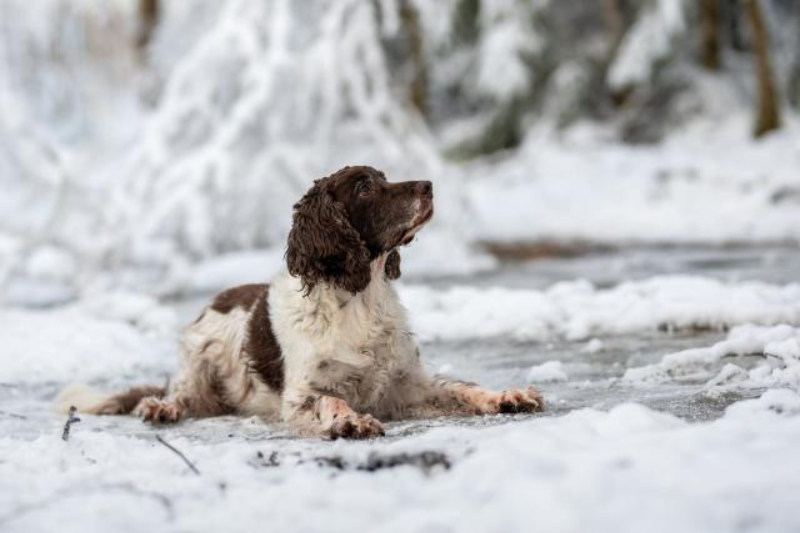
323 246
393 265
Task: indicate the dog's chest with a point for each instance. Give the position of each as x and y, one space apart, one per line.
349 346
369 334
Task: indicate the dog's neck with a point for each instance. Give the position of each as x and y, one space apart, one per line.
377 269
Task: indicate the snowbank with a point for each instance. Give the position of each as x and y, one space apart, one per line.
588 470
578 310
779 346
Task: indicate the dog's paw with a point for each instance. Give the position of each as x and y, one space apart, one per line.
355 427
520 401
157 411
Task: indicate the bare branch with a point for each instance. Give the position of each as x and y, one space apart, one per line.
177 452
71 419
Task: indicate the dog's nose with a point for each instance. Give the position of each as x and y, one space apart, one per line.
425 188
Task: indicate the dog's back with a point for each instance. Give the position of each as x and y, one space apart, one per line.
230 364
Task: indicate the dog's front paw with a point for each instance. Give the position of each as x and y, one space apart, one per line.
157 411
520 401
355 426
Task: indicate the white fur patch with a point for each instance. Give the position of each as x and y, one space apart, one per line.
83 397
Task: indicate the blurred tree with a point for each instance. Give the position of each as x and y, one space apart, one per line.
148 20
410 20
767 114
794 83
710 21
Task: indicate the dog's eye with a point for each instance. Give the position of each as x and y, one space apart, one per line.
365 188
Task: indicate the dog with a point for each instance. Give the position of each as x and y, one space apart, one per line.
326 347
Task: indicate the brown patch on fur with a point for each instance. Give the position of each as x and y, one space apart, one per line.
392 268
308 404
212 401
261 346
243 296
125 402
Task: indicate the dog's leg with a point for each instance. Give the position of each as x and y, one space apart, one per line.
447 396
328 417
167 409
160 410
198 393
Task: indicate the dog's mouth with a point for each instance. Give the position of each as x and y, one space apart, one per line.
424 216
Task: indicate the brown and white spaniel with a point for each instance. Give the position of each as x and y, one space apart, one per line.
326 347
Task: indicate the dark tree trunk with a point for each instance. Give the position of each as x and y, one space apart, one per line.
409 17
149 11
767 114
709 25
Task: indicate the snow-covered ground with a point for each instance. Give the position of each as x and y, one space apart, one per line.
658 420
628 469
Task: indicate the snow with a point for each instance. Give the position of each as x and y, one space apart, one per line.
584 190
101 337
593 346
551 371
579 310
235 268
779 346
585 470
647 43
506 43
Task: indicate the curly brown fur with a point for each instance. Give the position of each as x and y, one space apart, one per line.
324 246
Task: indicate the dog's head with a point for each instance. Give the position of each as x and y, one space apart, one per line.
350 218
